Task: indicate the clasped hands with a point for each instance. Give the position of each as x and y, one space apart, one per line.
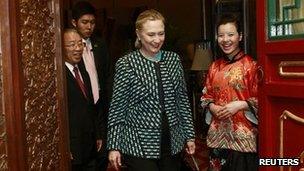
226 111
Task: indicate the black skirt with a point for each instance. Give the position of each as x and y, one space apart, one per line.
230 160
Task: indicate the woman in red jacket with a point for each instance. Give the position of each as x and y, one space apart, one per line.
230 97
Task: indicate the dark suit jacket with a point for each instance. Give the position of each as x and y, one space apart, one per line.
105 77
82 119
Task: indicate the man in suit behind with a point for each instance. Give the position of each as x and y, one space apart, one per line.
98 64
81 110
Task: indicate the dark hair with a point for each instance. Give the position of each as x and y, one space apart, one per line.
224 19
230 18
82 8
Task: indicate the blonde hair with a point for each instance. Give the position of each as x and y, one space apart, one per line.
143 17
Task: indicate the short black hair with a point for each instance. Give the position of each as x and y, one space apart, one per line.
82 8
230 18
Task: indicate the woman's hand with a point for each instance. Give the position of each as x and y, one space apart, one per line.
98 145
115 159
71 156
232 108
190 147
215 110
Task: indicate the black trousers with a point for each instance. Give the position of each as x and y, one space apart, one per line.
165 163
101 163
90 166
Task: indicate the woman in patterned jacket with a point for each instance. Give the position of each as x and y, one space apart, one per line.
150 118
230 95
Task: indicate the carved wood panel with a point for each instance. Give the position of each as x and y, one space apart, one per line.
40 83
3 145
33 124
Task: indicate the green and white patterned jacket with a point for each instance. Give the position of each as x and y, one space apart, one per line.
134 123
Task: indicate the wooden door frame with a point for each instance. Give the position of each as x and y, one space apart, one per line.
65 155
12 92
15 138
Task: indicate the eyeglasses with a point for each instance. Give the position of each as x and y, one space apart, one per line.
75 45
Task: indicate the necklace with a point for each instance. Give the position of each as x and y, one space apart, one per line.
155 58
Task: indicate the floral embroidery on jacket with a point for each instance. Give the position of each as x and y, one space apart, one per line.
227 82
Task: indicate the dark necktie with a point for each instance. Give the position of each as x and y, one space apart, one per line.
80 83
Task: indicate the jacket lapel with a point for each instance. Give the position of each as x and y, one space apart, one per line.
95 49
145 74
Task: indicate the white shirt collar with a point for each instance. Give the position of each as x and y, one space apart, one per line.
70 66
87 42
